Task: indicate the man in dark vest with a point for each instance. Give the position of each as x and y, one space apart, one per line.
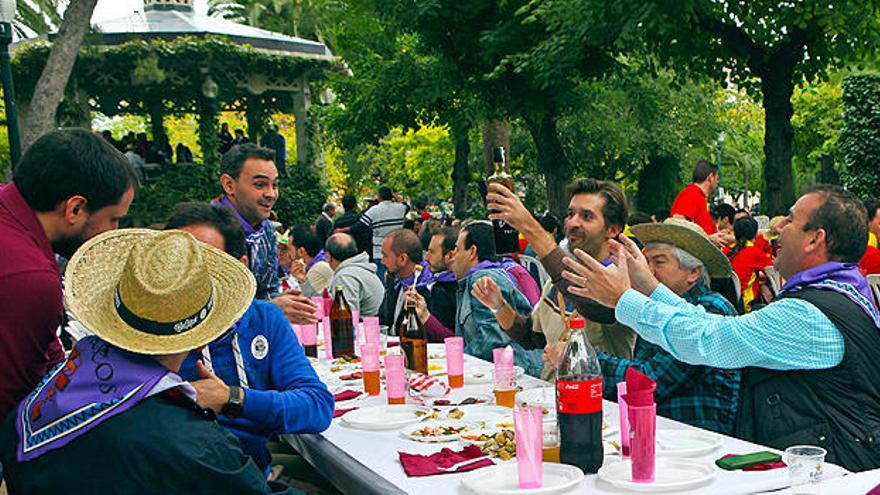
810 370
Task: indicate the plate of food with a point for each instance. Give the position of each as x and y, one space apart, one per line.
382 417
479 436
463 400
485 374
500 445
436 432
357 375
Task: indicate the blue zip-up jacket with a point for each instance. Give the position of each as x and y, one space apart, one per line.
284 394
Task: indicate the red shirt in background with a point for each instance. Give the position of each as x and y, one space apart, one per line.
870 263
763 244
747 263
30 300
692 204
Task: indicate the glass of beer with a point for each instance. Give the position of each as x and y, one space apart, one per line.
505 377
550 442
370 364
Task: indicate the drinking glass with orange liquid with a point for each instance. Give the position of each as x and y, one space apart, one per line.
505 377
395 379
370 365
550 442
455 361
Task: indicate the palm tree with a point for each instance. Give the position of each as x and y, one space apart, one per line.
38 17
300 18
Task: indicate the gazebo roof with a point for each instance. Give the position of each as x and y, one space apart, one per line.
168 19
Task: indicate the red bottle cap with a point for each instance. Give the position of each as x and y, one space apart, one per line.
577 323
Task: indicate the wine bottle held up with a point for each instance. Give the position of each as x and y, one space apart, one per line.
579 401
414 340
506 237
341 328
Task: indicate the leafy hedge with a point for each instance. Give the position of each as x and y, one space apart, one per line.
860 138
300 198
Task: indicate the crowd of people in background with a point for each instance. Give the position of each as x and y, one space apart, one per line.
735 316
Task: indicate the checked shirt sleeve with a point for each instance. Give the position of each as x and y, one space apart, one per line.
786 335
662 367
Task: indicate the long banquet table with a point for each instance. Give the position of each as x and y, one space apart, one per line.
361 462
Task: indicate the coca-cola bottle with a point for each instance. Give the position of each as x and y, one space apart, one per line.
579 401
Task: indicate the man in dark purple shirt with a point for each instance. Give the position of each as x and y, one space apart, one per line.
69 186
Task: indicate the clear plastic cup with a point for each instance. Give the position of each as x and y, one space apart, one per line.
528 425
806 465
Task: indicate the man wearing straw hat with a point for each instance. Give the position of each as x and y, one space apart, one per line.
683 258
115 417
70 185
810 369
257 376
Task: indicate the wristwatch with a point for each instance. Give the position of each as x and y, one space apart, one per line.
233 406
495 311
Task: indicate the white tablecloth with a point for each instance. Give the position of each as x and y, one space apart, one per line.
377 451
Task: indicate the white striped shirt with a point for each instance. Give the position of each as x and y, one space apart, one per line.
383 218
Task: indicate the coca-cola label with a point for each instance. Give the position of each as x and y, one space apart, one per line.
579 397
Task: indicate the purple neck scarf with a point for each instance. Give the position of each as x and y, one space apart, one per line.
490 265
425 278
843 278
248 228
445 276
97 382
321 256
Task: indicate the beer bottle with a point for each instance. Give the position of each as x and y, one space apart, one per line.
414 340
579 401
341 327
506 237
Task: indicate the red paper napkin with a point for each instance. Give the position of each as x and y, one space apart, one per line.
639 388
347 395
428 465
340 412
759 467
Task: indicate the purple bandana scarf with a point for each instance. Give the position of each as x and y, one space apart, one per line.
489 265
843 278
321 256
445 276
97 382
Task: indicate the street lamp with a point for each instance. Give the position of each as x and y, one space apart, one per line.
7 15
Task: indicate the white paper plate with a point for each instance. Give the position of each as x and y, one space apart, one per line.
382 417
407 431
502 479
687 443
485 374
488 415
670 475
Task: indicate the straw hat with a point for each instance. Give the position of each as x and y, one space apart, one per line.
691 238
154 292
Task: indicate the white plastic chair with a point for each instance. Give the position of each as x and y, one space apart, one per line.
775 279
528 262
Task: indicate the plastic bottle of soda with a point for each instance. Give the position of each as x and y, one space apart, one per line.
579 401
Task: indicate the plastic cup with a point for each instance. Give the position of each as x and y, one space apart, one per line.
395 378
328 338
370 366
455 361
297 332
624 421
528 425
805 468
371 330
309 334
319 307
643 428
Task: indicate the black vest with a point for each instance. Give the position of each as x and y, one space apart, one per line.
837 409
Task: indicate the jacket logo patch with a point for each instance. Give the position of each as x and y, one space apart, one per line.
259 347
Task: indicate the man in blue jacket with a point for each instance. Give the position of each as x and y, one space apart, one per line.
257 377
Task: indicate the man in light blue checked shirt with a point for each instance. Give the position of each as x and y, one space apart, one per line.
810 364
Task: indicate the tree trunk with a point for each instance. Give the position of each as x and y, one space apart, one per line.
461 171
554 164
496 132
157 120
777 86
50 86
254 114
828 174
659 182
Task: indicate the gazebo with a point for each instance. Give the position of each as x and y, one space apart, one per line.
170 59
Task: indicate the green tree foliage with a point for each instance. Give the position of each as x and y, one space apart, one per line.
860 139
817 122
765 46
154 200
300 197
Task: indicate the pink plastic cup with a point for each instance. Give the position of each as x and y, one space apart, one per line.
328 340
309 333
528 425
643 428
327 301
297 332
624 421
395 378
371 329
504 372
319 307
454 360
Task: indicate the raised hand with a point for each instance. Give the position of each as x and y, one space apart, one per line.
590 279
